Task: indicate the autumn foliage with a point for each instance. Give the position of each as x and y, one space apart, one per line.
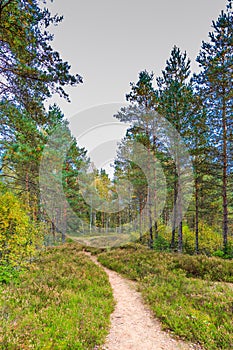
18 235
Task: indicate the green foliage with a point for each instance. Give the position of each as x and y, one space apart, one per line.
161 244
31 71
30 68
182 291
63 301
210 241
225 254
8 274
215 88
18 235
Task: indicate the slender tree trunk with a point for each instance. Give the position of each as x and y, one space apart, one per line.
64 230
90 218
155 186
151 239
27 188
224 184
196 216
119 221
103 219
107 223
53 230
140 219
63 234
175 213
179 202
180 211
94 219
180 230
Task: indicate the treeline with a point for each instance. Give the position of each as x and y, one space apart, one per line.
199 108
31 72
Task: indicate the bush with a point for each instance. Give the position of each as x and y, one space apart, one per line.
210 241
18 235
7 274
228 254
161 244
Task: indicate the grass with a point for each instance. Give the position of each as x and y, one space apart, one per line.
109 240
63 301
191 296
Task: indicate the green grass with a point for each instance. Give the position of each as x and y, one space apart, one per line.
63 301
101 241
184 292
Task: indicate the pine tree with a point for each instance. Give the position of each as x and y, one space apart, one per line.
126 169
30 69
216 63
197 140
175 103
141 114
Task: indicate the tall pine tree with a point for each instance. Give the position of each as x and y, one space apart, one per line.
216 63
175 103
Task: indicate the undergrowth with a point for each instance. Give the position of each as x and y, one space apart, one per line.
191 295
63 301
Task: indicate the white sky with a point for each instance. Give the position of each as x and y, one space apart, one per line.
108 42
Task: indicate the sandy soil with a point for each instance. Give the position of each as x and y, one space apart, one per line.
133 326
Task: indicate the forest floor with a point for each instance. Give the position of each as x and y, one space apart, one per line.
133 327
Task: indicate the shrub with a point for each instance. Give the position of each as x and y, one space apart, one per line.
210 241
18 235
161 244
8 273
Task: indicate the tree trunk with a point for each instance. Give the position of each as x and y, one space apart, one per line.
174 216
151 240
180 210
53 230
90 219
64 230
155 185
224 180
196 216
140 219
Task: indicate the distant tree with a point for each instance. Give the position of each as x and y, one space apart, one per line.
197 141
126 169
140 114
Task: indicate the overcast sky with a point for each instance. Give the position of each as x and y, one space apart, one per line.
108 42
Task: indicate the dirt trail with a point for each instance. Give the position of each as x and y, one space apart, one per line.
132 325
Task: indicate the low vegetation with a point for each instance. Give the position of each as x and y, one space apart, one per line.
19 236
62 301
209 239
191 295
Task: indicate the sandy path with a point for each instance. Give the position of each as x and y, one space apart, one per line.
132 325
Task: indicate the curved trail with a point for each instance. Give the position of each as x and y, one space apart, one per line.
132 325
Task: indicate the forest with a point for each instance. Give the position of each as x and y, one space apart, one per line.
171 190
198 107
